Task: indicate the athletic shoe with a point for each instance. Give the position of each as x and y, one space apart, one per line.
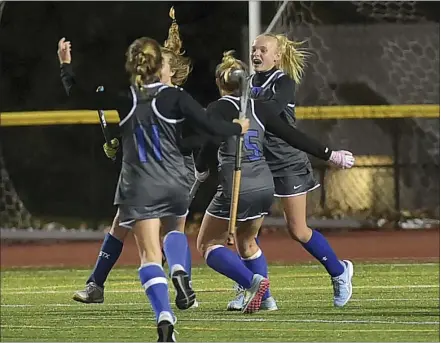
185 296
342 285
92 294
166 329
253 295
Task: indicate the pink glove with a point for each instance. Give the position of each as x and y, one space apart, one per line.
342 158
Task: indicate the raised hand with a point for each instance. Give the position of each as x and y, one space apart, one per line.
63 52
342 159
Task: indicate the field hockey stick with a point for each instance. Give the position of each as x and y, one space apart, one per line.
194 189
103 123
240 74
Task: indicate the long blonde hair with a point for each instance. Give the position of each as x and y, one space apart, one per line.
293 56
172 47
223 72
143 61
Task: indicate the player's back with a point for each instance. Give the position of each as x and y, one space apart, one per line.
152 165
278 153
255 173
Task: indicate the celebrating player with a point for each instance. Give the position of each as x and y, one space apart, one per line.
249 269
175 70
151 189
279 65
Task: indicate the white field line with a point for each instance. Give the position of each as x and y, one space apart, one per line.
47 269
367 300
199 280
224 289
71 284
195 328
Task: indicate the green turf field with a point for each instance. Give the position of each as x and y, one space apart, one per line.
391 302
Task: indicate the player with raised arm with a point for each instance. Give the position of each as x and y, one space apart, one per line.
175 70
249 269
279 65
151 189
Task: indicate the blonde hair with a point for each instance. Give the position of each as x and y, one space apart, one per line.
172 47
293 57
223 72
143 61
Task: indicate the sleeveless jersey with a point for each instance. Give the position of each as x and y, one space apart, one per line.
255 172
153 168
282 158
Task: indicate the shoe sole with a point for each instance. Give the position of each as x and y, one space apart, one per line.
269 309
165 331
185 296
87 301
234 308
255 302
195 305
350 267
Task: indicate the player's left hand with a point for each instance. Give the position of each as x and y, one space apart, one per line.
342 159
63 52
112 149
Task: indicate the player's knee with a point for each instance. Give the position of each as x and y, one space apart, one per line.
299 231
150 255
246 246
118 232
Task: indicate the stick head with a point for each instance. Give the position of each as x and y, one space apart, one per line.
238 75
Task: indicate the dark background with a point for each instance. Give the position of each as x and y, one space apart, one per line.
61 170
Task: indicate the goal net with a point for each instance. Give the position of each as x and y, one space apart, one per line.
372 53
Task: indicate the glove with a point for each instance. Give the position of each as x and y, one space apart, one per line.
201 177
112 149
342 159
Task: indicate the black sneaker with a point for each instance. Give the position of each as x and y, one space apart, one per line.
166 331
185 296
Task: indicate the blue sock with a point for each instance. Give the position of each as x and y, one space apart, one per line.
175 250
319 247
258 265
228 263
109 254
154 282
188 262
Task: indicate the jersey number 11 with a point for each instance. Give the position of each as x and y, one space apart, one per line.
141 133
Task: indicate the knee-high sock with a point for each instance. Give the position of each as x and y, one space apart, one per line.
226 262
175 250
110 251
154 282
257 264
319 247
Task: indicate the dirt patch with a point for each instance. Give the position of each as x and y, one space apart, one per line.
278 247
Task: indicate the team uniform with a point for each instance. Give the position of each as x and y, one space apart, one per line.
153 174
290 167
256 187
153 182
